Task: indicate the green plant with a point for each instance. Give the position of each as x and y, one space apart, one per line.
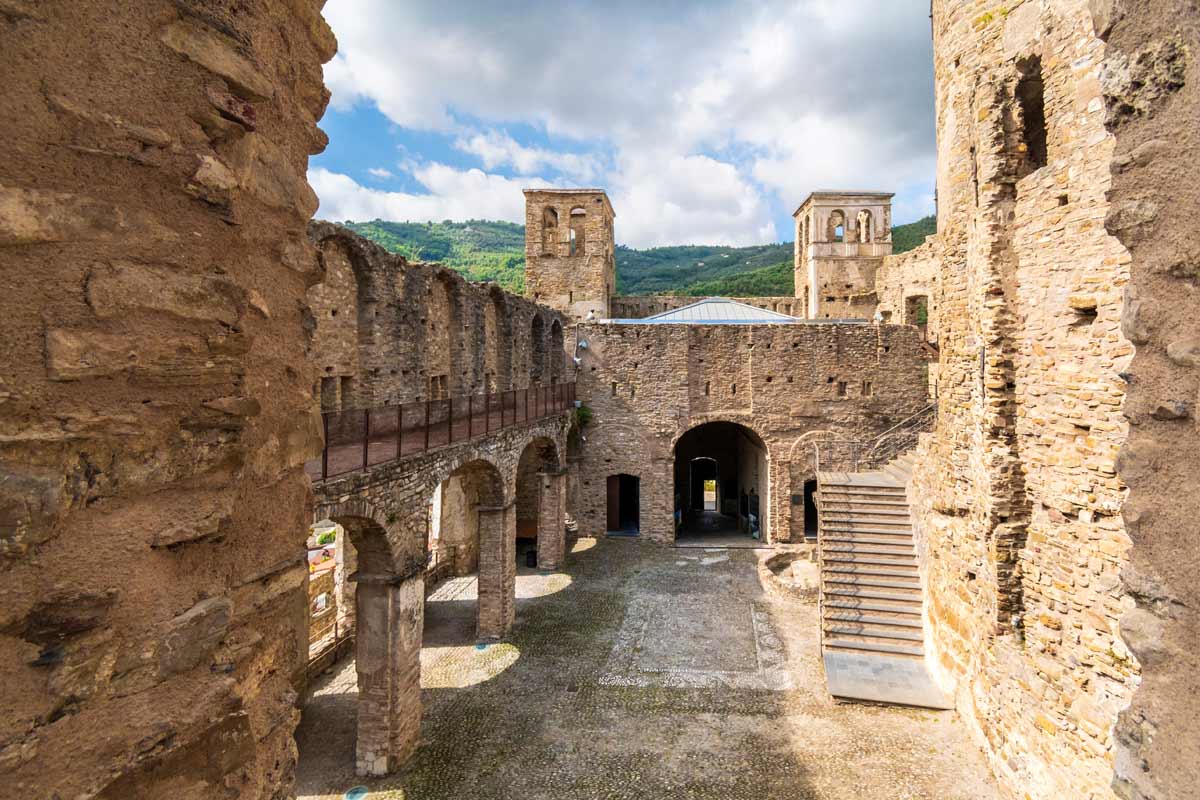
583 415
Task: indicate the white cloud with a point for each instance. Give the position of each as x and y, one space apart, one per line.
700 117
450 194
498 149
663 199
380 172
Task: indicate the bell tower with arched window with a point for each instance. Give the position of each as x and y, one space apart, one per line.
570 260
841 240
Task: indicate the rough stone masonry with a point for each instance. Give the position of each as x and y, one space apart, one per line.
157 403
155 400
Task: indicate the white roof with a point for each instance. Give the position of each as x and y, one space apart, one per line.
716 311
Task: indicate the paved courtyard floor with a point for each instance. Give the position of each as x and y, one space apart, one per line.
639 672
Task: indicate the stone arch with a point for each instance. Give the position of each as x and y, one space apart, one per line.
835 228
540 500
497 358
804 460
442 331
537 349
741 480
578 233
479 522
389 616
864 226
549 230
556 352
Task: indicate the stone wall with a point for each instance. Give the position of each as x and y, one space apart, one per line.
1151 84
792 385
397 332
904 278
1016 497
155 404
642 306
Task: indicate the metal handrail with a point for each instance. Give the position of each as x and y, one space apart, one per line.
916 422
357 439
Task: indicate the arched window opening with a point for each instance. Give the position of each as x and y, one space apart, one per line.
837 227
866 231
578 237
549 230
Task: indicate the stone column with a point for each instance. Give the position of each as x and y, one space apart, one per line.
497 570
390 612
551 529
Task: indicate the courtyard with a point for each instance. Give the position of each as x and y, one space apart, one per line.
639 671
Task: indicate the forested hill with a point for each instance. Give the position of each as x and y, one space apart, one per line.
495 251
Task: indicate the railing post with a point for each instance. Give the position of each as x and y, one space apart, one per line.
366 435
325 451
427 404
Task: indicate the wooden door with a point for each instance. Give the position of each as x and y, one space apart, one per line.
614 502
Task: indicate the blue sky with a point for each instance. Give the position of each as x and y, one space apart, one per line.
707 122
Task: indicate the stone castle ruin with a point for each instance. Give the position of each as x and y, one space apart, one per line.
241 447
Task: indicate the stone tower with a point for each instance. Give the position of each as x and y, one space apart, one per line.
570 264
841 240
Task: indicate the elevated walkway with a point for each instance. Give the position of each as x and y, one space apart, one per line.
872 634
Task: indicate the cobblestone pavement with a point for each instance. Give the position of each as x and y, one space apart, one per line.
640 672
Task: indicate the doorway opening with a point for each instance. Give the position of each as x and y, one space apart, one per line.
623 505
720 486
810 510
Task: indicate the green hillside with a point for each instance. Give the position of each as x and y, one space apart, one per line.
495 251
479 249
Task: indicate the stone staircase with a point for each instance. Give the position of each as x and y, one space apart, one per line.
871 601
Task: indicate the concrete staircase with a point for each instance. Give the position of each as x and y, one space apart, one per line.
871 600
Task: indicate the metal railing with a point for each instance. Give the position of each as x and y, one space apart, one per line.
869 454
360 438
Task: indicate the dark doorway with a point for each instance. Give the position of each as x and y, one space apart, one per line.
720 486
623 502
810 510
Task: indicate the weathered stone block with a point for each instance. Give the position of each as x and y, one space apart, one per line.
122 288
219 55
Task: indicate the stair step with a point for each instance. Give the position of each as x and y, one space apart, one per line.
874 581
899 561
861 506
843 643
854 548
853 617
843 605
868 632
851 590
857 479
857 511
890 569
884 538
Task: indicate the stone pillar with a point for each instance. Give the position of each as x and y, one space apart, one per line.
390 612
551 529
497 570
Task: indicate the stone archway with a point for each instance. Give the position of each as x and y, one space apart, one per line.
389 616
541 497
728 461
476 531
